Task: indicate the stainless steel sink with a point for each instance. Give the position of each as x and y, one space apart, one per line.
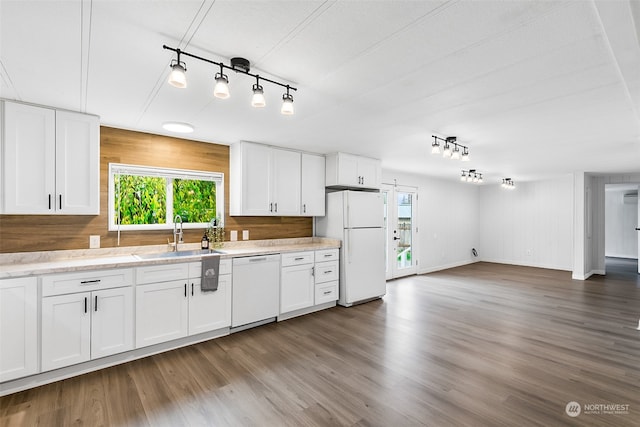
179 254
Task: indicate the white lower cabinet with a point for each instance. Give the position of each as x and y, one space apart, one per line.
209 311
83 326
161 312
18 328
296 281
309 281
177 308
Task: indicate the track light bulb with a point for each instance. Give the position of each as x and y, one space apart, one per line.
447 151
455 154
177 76
258 100
463 177
287 104
465 155
221 89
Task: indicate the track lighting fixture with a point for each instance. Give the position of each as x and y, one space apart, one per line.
177 78
221 89
287 103
508 184
471 176
258 100
450 149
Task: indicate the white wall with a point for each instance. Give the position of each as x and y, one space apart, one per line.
447 220
531 225
620 223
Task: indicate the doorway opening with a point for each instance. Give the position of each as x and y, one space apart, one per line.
622 220
400 213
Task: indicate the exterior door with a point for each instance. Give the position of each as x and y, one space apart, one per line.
400 230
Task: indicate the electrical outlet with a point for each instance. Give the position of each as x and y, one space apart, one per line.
94 242
245 234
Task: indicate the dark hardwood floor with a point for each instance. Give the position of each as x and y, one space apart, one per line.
480 345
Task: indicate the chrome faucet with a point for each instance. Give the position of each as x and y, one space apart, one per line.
177 235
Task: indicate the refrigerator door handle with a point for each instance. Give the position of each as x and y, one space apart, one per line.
347 243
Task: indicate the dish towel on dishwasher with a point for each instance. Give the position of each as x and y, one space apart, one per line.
210 269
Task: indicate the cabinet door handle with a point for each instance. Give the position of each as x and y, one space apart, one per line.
86 282
313 271
276 205
60 197
191 289
270 207
85 304
304 208
185 290
49 201
95 306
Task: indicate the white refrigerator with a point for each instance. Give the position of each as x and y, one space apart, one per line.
356 218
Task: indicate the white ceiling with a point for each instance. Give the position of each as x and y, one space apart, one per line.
534 88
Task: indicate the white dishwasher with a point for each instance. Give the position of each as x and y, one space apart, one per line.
256 287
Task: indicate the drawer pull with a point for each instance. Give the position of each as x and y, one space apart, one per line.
327 292
86 282
328 255
328 271
300 258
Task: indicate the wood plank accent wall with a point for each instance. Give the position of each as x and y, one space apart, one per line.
28 233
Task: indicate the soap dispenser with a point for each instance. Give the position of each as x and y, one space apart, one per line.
204 244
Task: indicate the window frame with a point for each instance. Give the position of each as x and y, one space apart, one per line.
169 174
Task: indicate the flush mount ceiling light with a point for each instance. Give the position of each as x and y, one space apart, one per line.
178 79
177 127
450 148
471 176
508 184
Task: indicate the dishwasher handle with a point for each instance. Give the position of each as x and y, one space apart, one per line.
256 259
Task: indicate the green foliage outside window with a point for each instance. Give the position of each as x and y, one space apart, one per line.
194 200
141 199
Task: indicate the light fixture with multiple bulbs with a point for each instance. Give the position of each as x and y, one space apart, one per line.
508 184
471 176
450 149
178 78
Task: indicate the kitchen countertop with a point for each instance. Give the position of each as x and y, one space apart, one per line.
50 262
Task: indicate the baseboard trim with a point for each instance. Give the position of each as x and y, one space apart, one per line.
446 266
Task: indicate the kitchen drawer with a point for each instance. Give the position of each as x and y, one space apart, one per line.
297 258
67 283
326 292
327 255
195 268
162 273
326 271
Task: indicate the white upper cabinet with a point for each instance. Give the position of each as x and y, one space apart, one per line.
264 180
349 171
312 185
51 162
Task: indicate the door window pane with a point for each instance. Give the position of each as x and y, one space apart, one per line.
405 215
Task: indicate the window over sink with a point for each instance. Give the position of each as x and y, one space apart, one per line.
149 198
